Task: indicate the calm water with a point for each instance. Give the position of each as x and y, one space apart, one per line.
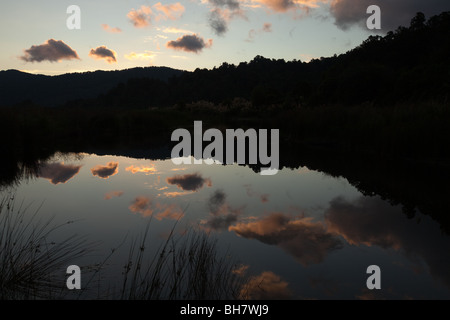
302 233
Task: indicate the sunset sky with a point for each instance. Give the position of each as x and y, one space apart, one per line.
187 34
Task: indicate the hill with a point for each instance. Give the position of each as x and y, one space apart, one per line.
409 64
18 87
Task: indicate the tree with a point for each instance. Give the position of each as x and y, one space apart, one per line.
418 22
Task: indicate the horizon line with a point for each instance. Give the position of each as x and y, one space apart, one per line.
51 74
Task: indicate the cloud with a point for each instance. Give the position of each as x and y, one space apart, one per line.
142 169
179 57
218 21
109 29
147 55
266 286
222 11
170 11
308 241
189 182
58 172
141 17
222 215
178 169
141 205
113 194
364 222
230 4
189 43
216 201
145 207
283 6
104 172
371 221
348 13
222 221
171 212
103 52
176 194
52 50
278 5
241 270
176 30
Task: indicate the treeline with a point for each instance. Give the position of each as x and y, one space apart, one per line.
409 64
24 89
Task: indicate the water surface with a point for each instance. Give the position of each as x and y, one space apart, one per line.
299 234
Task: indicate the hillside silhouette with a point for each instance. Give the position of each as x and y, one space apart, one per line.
21 88
409 64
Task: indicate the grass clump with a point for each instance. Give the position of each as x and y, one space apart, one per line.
32 266
185 267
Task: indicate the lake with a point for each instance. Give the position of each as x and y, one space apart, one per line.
298 234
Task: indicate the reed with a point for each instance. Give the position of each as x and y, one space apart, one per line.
32 266
185 267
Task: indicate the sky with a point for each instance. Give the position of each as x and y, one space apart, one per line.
187 34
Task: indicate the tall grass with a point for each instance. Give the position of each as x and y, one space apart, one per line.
185 267
32 266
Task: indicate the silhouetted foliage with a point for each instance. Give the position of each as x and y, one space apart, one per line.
408 64
20 88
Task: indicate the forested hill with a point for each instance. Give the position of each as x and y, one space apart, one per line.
18 87
409 64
